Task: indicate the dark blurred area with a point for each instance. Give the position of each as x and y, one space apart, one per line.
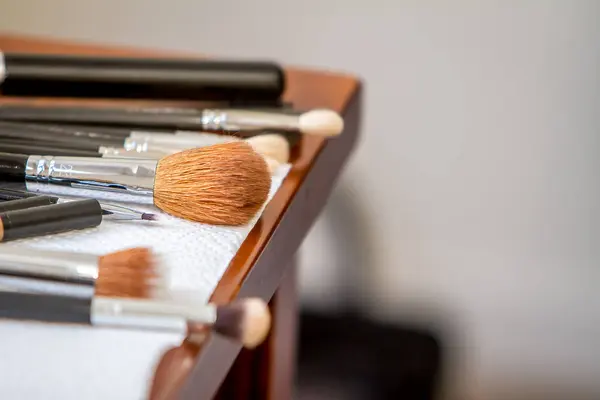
347 356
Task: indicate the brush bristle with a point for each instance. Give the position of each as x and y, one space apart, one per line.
272 164
272 146
321 123
222 184
149 217
247 321
127 273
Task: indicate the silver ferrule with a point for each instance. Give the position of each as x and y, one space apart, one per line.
48 174
150 140
49 272
123 152
155 146
173 143
149 314
244 120
2 68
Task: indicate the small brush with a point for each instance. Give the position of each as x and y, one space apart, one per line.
110 211
318 122
50 219
222 184
126 273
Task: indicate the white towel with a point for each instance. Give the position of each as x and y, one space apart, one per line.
42 361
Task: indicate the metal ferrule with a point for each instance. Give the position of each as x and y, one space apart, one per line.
149 140
121 175
170 143
2 68
155 147
48 272
244 120
149 314
114 152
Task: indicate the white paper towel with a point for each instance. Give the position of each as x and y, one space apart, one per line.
43 361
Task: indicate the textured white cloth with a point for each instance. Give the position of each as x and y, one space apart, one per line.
43 361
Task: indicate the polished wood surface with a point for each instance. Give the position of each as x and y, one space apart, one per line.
259 265
268 372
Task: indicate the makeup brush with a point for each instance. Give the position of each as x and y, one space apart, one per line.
222 184
21 147
110 211
319 122
53 75
55 218
126 273
246 320
16 136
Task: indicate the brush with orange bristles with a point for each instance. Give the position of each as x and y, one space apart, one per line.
114 290
126 273
222 184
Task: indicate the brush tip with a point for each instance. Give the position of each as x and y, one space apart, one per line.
127 273
271 146
321 122
149 217
247 320
272 164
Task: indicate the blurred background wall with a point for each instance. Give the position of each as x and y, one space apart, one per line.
473 201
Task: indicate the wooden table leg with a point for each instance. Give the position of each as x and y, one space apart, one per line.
268 372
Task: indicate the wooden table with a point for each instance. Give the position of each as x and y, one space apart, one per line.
264 266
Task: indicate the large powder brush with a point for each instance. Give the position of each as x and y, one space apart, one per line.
222 184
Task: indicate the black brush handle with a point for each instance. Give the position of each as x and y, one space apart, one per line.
46 75
121 121
68 137
74 147
12 167
28 202
12 194
44 307
50 219
8 146
151 118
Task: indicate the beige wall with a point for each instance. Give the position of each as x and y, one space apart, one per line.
474 198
